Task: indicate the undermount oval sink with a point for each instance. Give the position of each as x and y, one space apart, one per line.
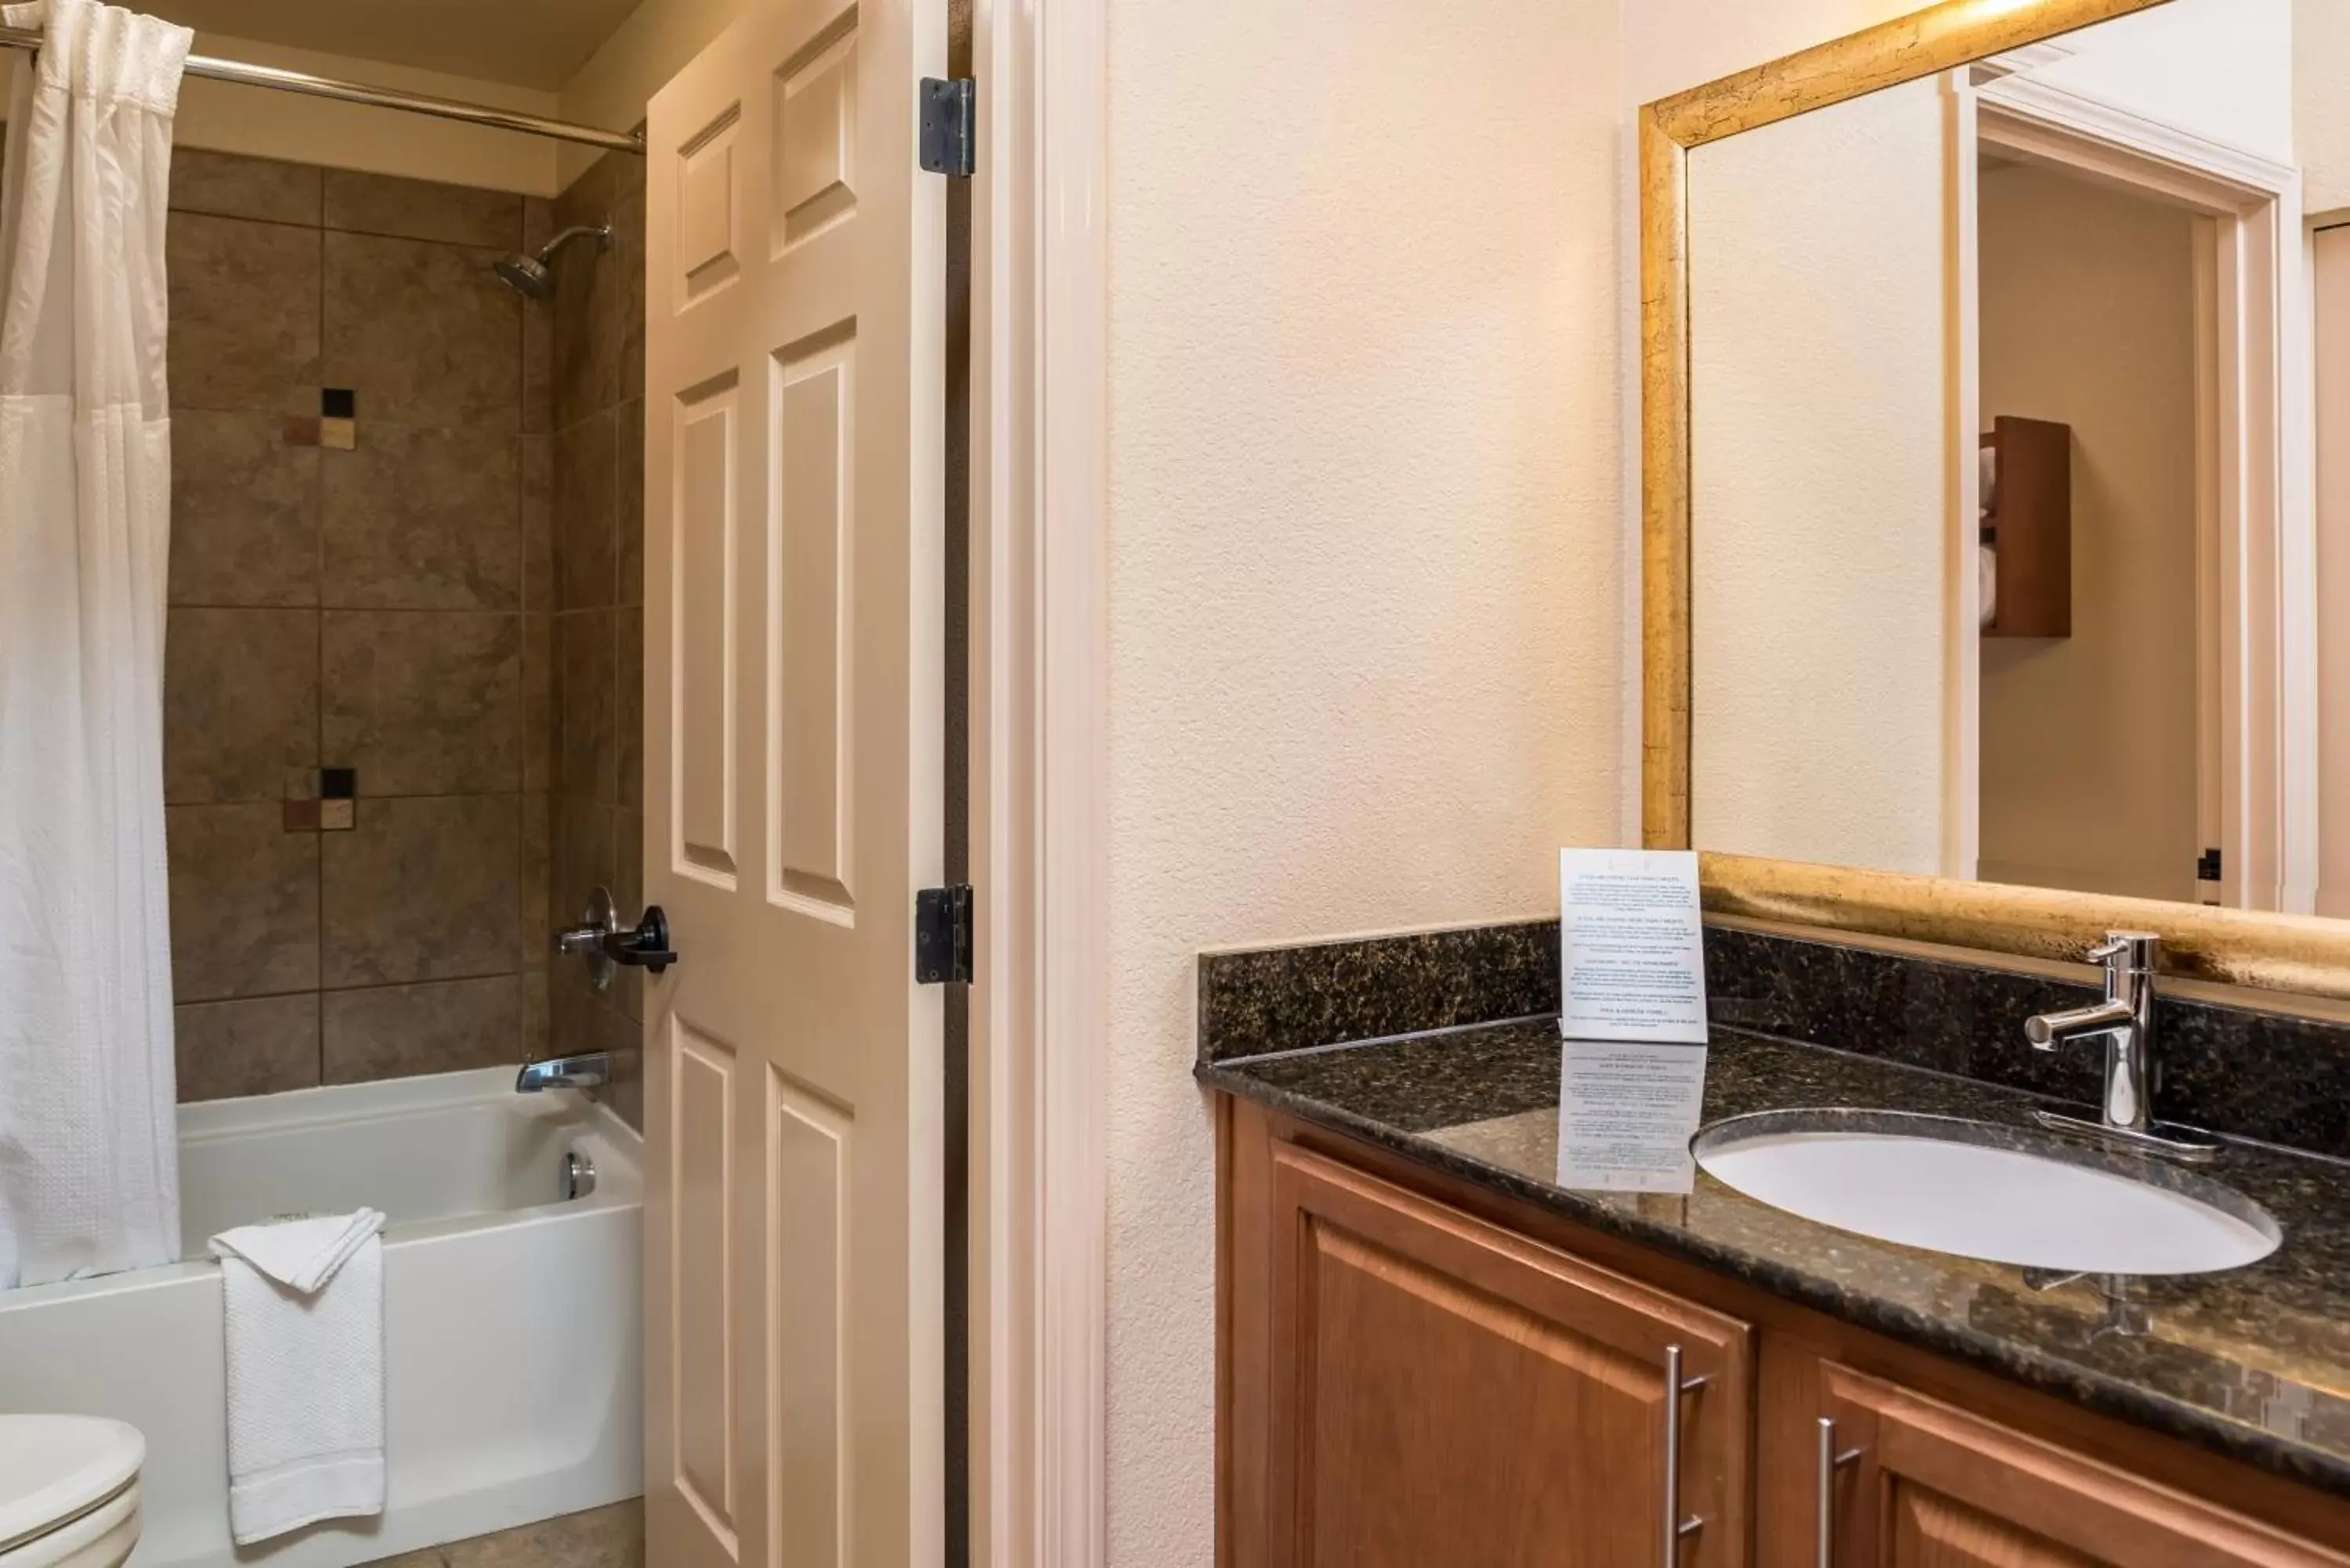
2005 1195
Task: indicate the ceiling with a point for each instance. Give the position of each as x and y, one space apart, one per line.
526 43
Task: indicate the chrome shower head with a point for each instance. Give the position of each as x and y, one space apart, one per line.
530 276
527 275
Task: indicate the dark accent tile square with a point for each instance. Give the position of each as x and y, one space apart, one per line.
338 784
262 1046
401 1031
423 702
424 889
240 702
338 403
244 903
425 519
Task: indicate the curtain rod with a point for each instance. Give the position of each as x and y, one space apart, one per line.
249 75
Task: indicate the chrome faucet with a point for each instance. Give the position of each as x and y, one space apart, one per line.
587 1072
2126 1019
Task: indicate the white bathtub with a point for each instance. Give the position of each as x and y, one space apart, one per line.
510 1316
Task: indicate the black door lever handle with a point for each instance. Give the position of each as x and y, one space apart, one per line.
647 947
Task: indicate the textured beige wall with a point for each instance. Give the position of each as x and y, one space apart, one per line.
2221 69
263 123
1669 44
1819 411
2089 742
1367 639
2321 102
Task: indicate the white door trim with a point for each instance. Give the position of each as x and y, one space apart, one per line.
2268 522
1039 730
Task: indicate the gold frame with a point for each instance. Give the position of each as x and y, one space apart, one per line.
2282 953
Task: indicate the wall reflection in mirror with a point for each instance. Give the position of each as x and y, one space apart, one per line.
2020 411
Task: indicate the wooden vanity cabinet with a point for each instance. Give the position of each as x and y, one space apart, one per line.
1927 1485
1413 1372
1413 1386
1443 1391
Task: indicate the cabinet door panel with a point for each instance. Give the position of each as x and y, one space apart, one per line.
1934 1487
1930 1531
1443 1391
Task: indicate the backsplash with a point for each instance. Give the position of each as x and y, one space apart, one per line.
2237 1070
382 608
1257 1002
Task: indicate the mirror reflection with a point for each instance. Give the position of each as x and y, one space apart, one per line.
2020 402
1626 1111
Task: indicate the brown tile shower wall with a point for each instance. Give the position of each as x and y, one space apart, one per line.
595 322
387 609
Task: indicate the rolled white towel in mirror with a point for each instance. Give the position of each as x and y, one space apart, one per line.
1987 570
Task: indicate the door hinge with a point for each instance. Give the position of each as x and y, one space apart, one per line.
942 935
950 126
2208 865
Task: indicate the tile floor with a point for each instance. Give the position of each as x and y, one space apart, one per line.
610 1537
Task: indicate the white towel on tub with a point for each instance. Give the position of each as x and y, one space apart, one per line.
302 1301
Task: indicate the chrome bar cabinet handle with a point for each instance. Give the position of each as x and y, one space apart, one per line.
1831 1461
1677 1387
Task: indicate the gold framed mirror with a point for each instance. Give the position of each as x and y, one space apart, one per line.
2224 940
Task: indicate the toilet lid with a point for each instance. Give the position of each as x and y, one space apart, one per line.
57 1468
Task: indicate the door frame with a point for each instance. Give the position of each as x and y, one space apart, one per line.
1039 789
2257 635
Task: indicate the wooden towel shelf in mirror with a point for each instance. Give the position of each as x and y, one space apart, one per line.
2028 525
2284 953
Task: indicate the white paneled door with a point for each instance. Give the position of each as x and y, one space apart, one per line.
794 419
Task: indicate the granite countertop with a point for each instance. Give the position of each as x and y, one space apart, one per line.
2254 1362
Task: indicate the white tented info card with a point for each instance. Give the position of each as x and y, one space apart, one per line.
1631 946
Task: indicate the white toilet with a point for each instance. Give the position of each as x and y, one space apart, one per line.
68 1491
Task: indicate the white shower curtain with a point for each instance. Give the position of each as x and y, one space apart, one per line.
88 1158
